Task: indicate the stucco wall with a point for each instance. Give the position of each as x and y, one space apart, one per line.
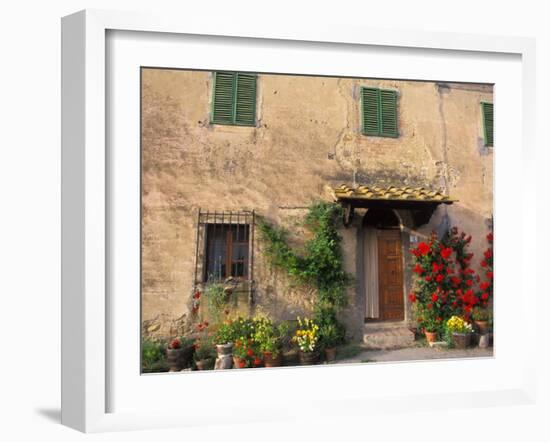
307 139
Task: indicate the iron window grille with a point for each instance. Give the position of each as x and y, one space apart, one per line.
224 247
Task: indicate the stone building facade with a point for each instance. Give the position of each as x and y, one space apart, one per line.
307 139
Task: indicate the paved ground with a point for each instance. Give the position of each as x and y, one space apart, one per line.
415 354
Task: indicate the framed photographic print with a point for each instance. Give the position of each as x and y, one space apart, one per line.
289 210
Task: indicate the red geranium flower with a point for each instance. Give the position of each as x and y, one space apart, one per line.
469 271
197 295
449 270
175 344
489 275
249 352
484 285
412 297
439 278
257 362
455 280
469 282
435 297
418 269
485 296
423 248
490 237
446 252
488 253
483 263
242 364
430 305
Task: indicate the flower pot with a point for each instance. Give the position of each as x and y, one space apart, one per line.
430 336
204 364
484 341
186 357
224 349
174 359
461 340
308 357
239 362
482 327
290 357
330 354
270 361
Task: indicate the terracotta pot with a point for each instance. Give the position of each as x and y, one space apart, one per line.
224 349
204 364
239 362
174 359
308 357
461 340
482 327
330 354
270 361
430 336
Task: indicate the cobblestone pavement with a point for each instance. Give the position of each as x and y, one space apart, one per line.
416 354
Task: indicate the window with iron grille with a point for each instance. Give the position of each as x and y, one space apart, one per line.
225 243
379 112
234 99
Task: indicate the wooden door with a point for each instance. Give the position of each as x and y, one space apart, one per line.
390 275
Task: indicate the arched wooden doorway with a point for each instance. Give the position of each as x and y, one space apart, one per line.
383 261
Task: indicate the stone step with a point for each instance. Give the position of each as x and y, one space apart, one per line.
384 336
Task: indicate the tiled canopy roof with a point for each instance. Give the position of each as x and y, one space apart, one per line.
392 193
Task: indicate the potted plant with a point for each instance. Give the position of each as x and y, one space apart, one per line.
267 338
460 331
307 339
174 353
481 317
329 337
243 354
204 353
223 338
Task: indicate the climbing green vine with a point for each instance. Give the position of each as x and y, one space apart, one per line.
319 264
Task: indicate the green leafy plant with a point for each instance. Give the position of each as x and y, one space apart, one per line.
330 335
481 314
225 333
266 336
204 348
153 356
320 264
217 300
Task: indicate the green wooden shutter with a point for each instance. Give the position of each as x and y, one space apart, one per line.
388 113
234 99
371 115
379 112
222 103
488 123
245 100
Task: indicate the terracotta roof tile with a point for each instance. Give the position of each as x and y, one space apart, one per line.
391 193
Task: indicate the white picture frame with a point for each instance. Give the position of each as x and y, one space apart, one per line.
86 316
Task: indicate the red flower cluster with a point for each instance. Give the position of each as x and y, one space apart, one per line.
446 252
423 248
175 344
